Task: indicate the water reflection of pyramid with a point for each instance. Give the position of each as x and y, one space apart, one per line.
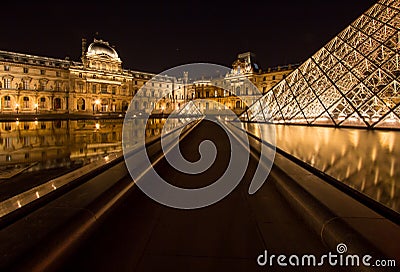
351 81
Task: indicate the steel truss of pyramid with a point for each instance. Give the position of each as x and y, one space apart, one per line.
352 81
190 109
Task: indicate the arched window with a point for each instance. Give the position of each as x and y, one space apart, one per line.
42 103
57 103
81 104
25 102
7 101
238 104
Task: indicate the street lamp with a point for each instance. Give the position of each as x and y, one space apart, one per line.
17 107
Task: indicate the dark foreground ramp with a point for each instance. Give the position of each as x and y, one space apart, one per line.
142 235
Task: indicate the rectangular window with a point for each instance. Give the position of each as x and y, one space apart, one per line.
103 88
80 87
114 90
58 86
58 74
42 72
42 86
26 70
94 88
25 84
6 68
7 83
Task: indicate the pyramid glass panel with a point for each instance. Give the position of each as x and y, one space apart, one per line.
351 81
190 109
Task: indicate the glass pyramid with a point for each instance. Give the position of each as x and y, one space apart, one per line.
190 109
352 81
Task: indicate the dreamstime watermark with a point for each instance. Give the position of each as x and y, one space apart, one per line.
230 83
338 258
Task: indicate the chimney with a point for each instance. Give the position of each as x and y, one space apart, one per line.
83 46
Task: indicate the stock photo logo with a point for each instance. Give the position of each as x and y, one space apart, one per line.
148 100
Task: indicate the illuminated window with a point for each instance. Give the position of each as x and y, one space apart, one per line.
6 68
25 102
7 83
25 84
103 88
42 85
94 88
7 101
42 103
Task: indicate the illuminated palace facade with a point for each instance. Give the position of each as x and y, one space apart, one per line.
236 95
99 84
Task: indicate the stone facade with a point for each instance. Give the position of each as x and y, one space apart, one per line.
98 84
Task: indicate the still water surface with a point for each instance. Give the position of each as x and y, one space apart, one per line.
366 160
34 152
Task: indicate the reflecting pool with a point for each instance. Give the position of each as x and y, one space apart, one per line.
366 160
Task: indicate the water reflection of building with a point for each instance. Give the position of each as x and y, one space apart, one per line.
27 142
53 143
99 84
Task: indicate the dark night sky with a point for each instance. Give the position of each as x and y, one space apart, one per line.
153 36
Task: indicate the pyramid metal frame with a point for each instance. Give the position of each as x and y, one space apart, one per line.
190 109
352 81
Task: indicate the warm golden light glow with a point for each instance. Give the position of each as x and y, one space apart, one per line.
334 83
